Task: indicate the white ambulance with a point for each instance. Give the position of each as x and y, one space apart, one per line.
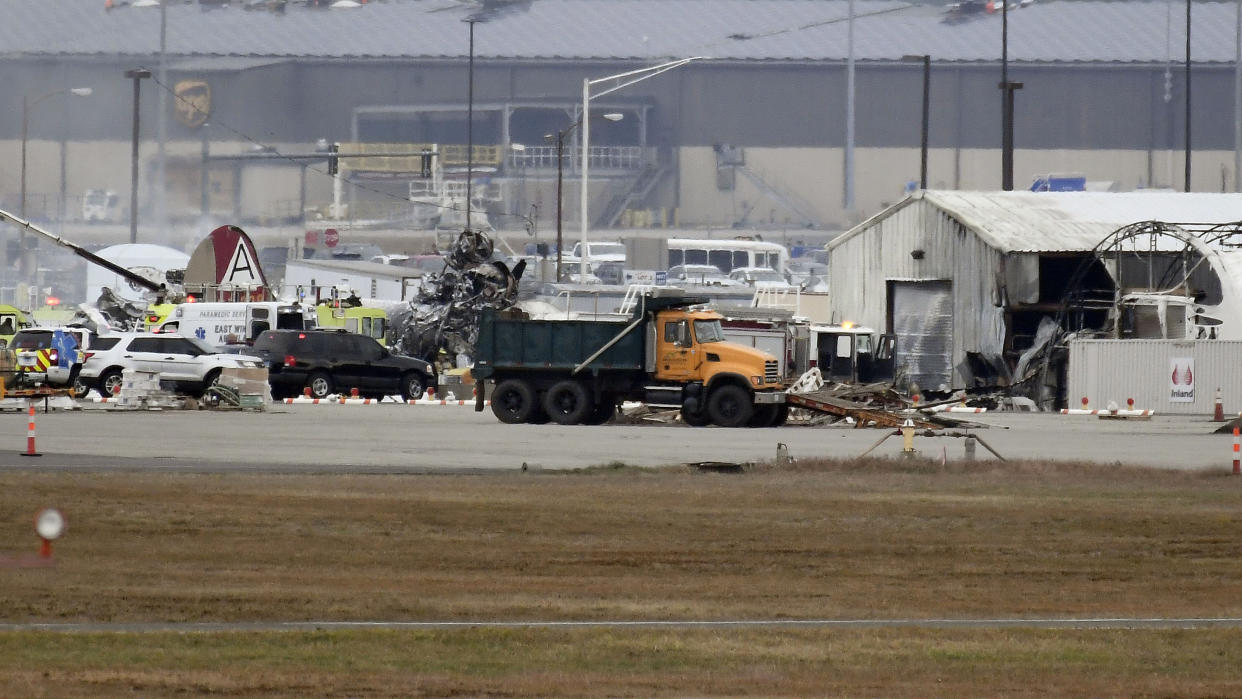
235 322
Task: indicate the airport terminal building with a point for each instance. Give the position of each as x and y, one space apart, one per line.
245 97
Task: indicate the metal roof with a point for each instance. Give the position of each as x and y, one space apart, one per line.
1063 221
635 30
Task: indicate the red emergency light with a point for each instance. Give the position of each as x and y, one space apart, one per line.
52 301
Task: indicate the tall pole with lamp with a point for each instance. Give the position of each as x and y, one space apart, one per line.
926 61
137 75
622 80
1006 104
470 121
27 105
560 183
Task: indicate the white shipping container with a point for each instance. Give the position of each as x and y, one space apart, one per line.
1115 370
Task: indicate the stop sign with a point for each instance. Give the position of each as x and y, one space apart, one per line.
331 238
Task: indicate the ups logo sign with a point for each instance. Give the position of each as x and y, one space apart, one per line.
193 103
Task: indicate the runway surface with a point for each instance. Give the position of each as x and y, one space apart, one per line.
396 438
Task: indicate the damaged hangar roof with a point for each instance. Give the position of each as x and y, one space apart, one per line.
1056 31
1063 221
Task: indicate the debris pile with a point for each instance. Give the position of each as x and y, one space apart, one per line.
444 316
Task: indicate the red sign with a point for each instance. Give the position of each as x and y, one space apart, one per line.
312 237
331 238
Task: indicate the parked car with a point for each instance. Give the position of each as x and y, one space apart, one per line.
188 363
704 275
761 278
44 357
326 361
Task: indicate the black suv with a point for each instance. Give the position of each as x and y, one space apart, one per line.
327 361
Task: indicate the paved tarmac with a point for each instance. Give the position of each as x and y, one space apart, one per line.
400 438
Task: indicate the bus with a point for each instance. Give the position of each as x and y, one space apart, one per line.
727 254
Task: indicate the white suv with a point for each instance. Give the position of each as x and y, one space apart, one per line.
189 363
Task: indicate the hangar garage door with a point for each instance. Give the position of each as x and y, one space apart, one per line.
922 314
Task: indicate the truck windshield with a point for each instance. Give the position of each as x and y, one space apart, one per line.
708 331
864 344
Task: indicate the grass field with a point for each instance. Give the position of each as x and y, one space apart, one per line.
872 539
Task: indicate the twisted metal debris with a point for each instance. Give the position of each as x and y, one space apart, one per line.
444 316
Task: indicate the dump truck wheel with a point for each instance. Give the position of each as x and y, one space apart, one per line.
765 415
695 418
603 411
538 416
513 401
320 384
782 415
568 403
730 406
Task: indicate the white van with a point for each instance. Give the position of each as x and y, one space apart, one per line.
226 323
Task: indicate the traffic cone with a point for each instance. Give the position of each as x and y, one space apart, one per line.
1237 465
1219 414
30 434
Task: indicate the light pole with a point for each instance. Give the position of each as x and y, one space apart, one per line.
27 105
560 182
470 121
926 60
137 75
1007 104
622 80
1187 159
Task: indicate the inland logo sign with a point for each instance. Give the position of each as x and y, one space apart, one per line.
1182 380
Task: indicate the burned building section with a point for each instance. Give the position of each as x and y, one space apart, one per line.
1147 280
983 289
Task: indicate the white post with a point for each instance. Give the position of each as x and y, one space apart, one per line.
337 193
584 194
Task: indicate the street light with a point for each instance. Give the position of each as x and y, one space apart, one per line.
27 105
137 75
623 80
926 61
560 179
1006 104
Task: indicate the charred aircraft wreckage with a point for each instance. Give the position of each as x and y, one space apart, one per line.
444 316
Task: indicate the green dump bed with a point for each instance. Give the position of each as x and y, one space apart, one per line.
506 345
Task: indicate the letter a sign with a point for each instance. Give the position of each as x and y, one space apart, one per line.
242 269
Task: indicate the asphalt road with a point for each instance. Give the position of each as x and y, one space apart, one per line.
400 438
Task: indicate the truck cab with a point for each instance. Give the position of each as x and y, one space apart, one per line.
850 353
12 320
718 381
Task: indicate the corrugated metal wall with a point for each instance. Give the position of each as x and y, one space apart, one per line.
1104 370
862 267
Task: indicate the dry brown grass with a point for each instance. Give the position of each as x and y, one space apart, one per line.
851 539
